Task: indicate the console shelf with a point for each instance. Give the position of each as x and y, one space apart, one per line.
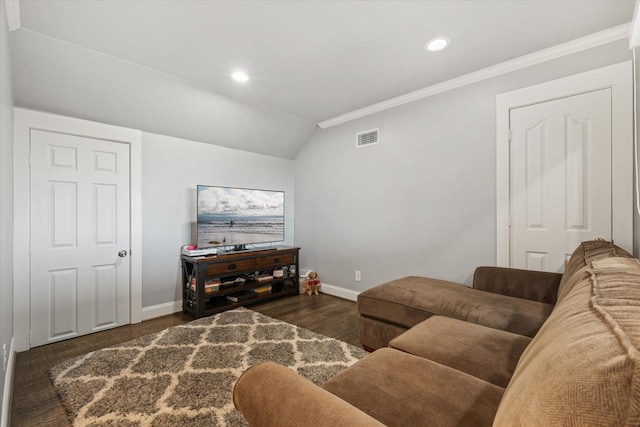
233 273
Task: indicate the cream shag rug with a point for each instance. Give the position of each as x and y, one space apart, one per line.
184 375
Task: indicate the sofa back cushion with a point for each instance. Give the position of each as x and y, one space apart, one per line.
582 257
583 366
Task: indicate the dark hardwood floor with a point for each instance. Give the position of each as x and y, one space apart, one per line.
35 402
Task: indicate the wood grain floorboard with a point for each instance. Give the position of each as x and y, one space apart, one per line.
35 402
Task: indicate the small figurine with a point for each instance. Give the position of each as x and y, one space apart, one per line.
312 283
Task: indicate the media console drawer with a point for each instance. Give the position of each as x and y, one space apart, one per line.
278 260
241 265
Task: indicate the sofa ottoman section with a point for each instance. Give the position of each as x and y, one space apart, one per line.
408 301
486 353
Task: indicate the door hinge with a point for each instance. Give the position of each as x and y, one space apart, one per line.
509 135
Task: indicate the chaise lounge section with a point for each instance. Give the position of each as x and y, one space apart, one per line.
466 366
517 301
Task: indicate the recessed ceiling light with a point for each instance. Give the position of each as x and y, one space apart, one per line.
240 76
436 44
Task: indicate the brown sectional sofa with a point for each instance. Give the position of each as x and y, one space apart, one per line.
499 354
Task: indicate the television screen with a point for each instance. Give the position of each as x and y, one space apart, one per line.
239 216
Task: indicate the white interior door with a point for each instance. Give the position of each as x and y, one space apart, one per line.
560 177
80 221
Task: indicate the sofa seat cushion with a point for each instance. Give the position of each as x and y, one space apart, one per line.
583 367
400 389
485 353
408 301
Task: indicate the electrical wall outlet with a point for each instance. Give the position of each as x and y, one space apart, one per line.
358 276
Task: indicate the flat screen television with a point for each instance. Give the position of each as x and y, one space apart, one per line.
238 217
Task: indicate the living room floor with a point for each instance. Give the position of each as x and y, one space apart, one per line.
35 402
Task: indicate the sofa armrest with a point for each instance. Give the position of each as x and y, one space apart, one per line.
527 284
268 394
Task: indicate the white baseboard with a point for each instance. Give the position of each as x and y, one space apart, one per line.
8 386
159 310
167 308
337 291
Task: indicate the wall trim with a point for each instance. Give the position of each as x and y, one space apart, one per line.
574 46
618 77
8 386
339 292
172 307
160 310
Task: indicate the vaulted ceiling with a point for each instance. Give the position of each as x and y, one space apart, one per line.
164 66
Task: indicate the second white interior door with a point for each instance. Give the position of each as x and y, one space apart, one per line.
560 178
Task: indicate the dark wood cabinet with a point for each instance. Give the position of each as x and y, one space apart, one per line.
217 283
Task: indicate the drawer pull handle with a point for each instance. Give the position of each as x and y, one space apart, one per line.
232 266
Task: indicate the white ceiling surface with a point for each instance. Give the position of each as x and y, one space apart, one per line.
163 66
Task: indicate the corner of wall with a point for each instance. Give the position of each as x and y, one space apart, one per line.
6 218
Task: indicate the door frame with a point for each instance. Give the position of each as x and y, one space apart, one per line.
24 121
617 77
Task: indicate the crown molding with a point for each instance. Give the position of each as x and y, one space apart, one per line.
583 43
12 8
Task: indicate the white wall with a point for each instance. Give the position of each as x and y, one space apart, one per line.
6 200
423 201
171 170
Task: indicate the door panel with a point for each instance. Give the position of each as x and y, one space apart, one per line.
63 288
79 223
560 178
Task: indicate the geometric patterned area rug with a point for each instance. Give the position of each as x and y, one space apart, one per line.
184 375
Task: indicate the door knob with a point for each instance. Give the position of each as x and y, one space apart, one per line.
122 253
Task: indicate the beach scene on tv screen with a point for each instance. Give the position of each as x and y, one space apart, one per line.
234 216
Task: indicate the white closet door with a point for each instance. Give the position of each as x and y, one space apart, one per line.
560 169
80 220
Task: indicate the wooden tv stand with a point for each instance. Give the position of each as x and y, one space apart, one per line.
223 270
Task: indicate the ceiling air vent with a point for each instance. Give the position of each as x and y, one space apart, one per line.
367 138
